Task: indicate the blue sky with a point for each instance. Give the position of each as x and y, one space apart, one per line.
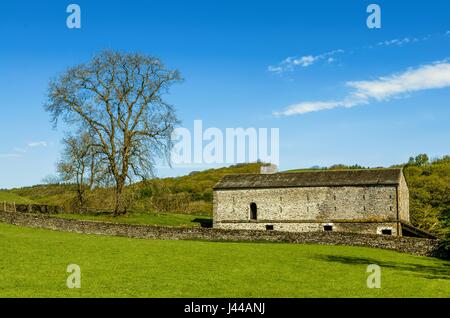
245 64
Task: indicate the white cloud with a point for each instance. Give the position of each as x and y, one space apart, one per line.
291 62
399 42
19 151
305 61
37 144
430 76
275 69
307 107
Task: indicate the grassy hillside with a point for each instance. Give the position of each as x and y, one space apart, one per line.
429 190
47 194
34 265
11 197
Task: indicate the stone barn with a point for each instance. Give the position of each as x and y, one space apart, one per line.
373 201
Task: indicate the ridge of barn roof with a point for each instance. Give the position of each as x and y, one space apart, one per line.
351 177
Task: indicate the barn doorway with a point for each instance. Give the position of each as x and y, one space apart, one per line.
253 211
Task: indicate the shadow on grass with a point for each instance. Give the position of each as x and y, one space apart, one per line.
207 223
441 271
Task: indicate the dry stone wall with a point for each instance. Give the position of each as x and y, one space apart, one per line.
416 246
30 208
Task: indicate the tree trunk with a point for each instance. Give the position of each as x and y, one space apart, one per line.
80 199
118 198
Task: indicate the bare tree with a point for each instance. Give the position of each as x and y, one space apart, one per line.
81 164
119 98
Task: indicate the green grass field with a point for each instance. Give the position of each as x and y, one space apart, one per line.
163 219
33 263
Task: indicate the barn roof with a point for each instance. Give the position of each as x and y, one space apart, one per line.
324 178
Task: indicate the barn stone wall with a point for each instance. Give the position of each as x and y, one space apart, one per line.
355 227
376 203
362 209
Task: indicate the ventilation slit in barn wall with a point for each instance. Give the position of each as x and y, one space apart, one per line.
269 227
253 211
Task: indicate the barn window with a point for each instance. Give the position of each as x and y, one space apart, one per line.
328 228
386 231
253 211
269 227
